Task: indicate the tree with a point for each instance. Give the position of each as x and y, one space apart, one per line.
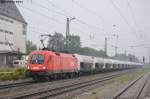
125 57
74 43
56 42
30 46
92 52
133 58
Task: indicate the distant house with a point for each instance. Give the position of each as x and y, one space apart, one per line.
13 30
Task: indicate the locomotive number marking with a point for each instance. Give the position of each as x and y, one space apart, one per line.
35 67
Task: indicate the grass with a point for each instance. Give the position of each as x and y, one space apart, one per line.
6 69
19 73
106 91
128 77
69 97
12 73
94 92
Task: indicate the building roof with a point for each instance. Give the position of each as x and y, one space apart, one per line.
11 52
9 9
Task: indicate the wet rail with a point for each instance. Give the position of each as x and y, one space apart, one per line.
11 85
66 88
139 91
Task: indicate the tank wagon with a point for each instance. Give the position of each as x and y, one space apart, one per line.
85 63
98 64
55 65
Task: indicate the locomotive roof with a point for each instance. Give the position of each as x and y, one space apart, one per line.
52 53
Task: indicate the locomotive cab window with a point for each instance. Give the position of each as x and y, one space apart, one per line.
37 59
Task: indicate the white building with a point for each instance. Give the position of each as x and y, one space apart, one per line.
12 33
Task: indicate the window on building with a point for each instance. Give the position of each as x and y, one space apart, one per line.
1 59
6 43
1 42
1 30
5 19
5 31
24 29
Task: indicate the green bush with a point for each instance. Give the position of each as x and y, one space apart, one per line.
6 69
19 73
13 73
6 76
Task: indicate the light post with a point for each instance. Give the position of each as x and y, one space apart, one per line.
116 36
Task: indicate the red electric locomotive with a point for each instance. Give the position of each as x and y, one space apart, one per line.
51 64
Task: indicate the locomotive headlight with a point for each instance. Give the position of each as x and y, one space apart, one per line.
28 67
44 67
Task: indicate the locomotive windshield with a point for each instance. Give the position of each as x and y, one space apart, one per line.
37 59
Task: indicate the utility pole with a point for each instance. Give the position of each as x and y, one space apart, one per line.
68 30
105 47
116 48
143 59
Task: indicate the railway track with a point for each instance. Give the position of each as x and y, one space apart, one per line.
134 86
19 84
16 84
52 92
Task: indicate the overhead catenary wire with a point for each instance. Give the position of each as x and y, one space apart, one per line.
39 13
79 20
54 5
31 10
89 25
95 27
92 12
122 16
48 9
133 16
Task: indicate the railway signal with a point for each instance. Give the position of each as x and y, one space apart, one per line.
143 59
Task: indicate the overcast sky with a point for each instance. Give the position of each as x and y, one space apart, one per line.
126 23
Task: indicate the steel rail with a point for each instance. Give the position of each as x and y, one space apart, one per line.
16 84
67 88
137 96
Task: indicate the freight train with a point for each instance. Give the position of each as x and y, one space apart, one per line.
49 64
